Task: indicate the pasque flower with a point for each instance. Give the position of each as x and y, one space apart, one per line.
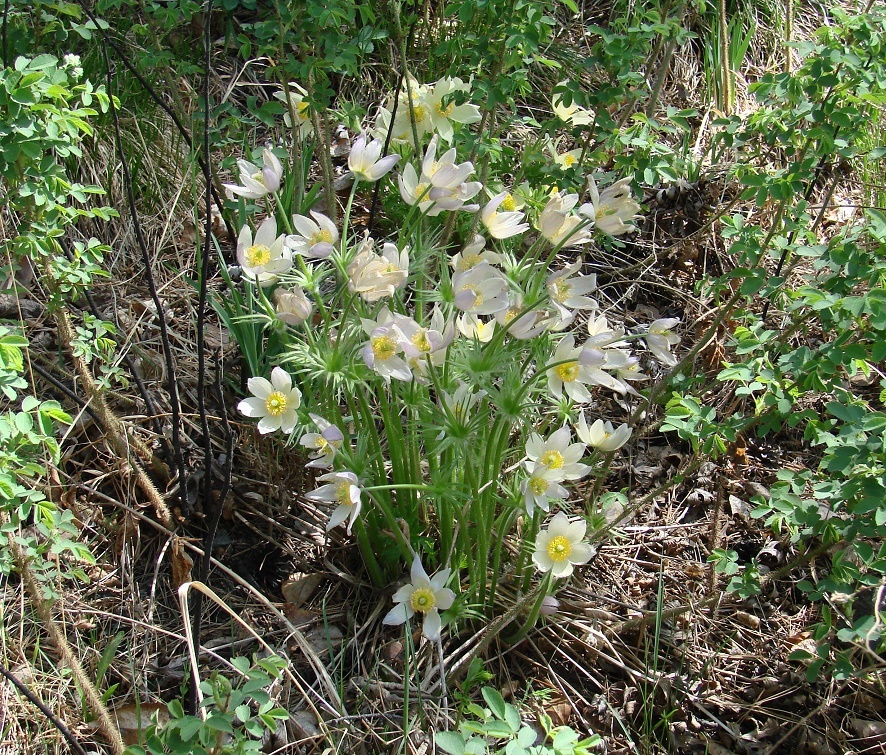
315 238
502 225
612 209
559 226
661 338
569 291
376 276
342 488
601 434
425 595
365 160
542 485
256 181
293 307
570 374
298 106
481 290
561 545
557 454
274 401
443 112
264 257
324 444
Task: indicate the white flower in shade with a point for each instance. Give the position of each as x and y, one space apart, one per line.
293 307
274 401
459 409
471 326
264 257
443 112
425 595
473 254
521 324
482 290
342 488
455 198
382 352
601 434
324 445
297 106
315 238
365 160
559 226
375 276
561 546
612 209
502 225
411 108
557 454
602 335
568 159
416 191
568 292
661 339
255 182
573 113
598 364
540 487
571 375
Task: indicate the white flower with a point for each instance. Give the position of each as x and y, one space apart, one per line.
415 191
561 545
661 338
256 182
568 293
482 290
560 227
365 160
376 276
602 335
571 375
574 114
293 307
342 488
521 324
612 209
386 343
441 114
425 595
315 238
502 225
458 409
296 105
598 363
409 109
541 486
324 444
568 159
429 342
262 259
601 434
557 454
471 326
274 401
473 254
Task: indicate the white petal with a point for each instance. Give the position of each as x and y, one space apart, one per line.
260 387
281 380
432 625
445 598
418 574
397 615
252 407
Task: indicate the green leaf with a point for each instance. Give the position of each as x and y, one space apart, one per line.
495 702
450 741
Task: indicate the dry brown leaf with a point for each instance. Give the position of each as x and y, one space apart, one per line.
747 619
182 564
298 588
134 719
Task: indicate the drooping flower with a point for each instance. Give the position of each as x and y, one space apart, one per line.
365 160
424 595
612 209
471 326
570 375
661 338
443 112
274 401
561 546
568 292
481 290
601 434
375 276
293 307
256 181
315 238
342 488
573 114
502 225
598 364
540 487
298 106
521 324
263 258
557 454
324 444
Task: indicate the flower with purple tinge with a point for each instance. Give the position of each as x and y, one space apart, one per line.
482 290
293 307
429 343
561 546
315 238
324 444
365 161
274 401
568 292
521 324
540 487
425 595
382 351
255 182
342 488
598 364
473 254
601 434
661 339
549 606
557 454
571 375
264 257
375 276
502 225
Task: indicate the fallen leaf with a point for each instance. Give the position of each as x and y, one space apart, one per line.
134 719
182 564
298 588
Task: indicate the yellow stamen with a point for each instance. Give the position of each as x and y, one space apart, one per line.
538 485
423 600
509 204
321 237
467 261
384 347
343 492
562 290
567 372
421 342
258 255
276 404
552 459
444 111
559 549
569 160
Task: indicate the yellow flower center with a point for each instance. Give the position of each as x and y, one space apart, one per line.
419 112
562 290
258 255
567 372
467 261
421 191
384 347
603 210
552 459
445 111
511 314
538 485
321 237
421 342
569 160
559 549
508 204
301 110
422 600
343 492
276 404
258 177
478 301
